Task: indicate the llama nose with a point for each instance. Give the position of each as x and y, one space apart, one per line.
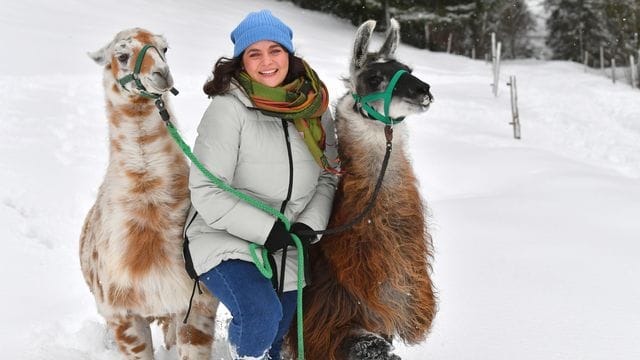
162 79
424 91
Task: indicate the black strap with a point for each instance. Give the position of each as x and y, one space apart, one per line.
188 265
196 283
188 261
283 265
388 132
274 278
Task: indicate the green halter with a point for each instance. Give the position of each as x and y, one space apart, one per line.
136 72
385 96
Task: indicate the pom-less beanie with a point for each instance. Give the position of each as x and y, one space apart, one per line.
260 25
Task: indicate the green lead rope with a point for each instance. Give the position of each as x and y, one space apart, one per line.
262 264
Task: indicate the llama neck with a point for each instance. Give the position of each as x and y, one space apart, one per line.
362 144
139 140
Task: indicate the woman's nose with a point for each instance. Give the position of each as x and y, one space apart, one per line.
267 60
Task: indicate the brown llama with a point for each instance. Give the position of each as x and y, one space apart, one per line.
372 283
131 242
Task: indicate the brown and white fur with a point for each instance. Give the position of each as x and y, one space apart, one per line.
131 242
372 283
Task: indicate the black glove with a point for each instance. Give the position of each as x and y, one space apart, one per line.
308 237
278 237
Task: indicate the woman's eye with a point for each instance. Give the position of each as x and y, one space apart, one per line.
276 51
123 58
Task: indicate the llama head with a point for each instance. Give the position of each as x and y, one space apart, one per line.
372 72
119 58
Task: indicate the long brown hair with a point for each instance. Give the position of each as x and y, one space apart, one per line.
227 69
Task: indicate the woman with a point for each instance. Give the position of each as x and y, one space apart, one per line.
263 134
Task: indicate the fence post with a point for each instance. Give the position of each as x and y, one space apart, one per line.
426 36
613 70
449 43
638 69
634 75
497 81
473 53
602 58
495 59
514 107
586 60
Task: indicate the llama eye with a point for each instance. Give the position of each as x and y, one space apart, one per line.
164 50
123 58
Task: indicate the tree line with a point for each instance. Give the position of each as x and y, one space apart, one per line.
464 26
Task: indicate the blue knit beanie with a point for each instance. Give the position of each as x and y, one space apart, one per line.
260 25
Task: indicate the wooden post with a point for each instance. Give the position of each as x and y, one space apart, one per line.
449 43
495 57
387 16
497 69
494 86
427 34
514 107
634 75
638 69
473 53
586 60
613 70
602 58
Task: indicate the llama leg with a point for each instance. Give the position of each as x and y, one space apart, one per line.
195 338
368 346
168 326
133 336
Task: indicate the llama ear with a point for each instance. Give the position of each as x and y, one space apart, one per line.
392 39
100 56
361 44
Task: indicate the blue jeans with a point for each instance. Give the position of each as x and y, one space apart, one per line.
260 318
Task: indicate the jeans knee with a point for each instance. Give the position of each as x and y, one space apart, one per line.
260 322
265 317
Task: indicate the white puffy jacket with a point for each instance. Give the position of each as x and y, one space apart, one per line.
248 151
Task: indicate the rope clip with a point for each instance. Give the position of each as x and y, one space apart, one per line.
164 114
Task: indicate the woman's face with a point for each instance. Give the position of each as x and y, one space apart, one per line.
267 62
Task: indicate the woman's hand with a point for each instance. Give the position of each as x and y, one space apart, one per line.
304 232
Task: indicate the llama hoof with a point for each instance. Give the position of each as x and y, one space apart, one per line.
369 347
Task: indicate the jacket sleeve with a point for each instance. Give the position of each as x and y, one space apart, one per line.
316 214
217 147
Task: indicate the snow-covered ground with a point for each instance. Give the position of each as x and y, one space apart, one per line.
536 240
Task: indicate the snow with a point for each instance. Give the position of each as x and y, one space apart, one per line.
536 240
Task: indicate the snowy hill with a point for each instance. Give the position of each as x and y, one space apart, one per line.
536 240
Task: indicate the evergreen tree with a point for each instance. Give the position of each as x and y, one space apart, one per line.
430 23
513 29
622 23
576 26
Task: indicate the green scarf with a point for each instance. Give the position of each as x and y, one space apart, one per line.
302 101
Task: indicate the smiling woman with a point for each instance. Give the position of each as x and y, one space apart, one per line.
267 132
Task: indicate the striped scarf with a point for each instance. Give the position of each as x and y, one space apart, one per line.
302 101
